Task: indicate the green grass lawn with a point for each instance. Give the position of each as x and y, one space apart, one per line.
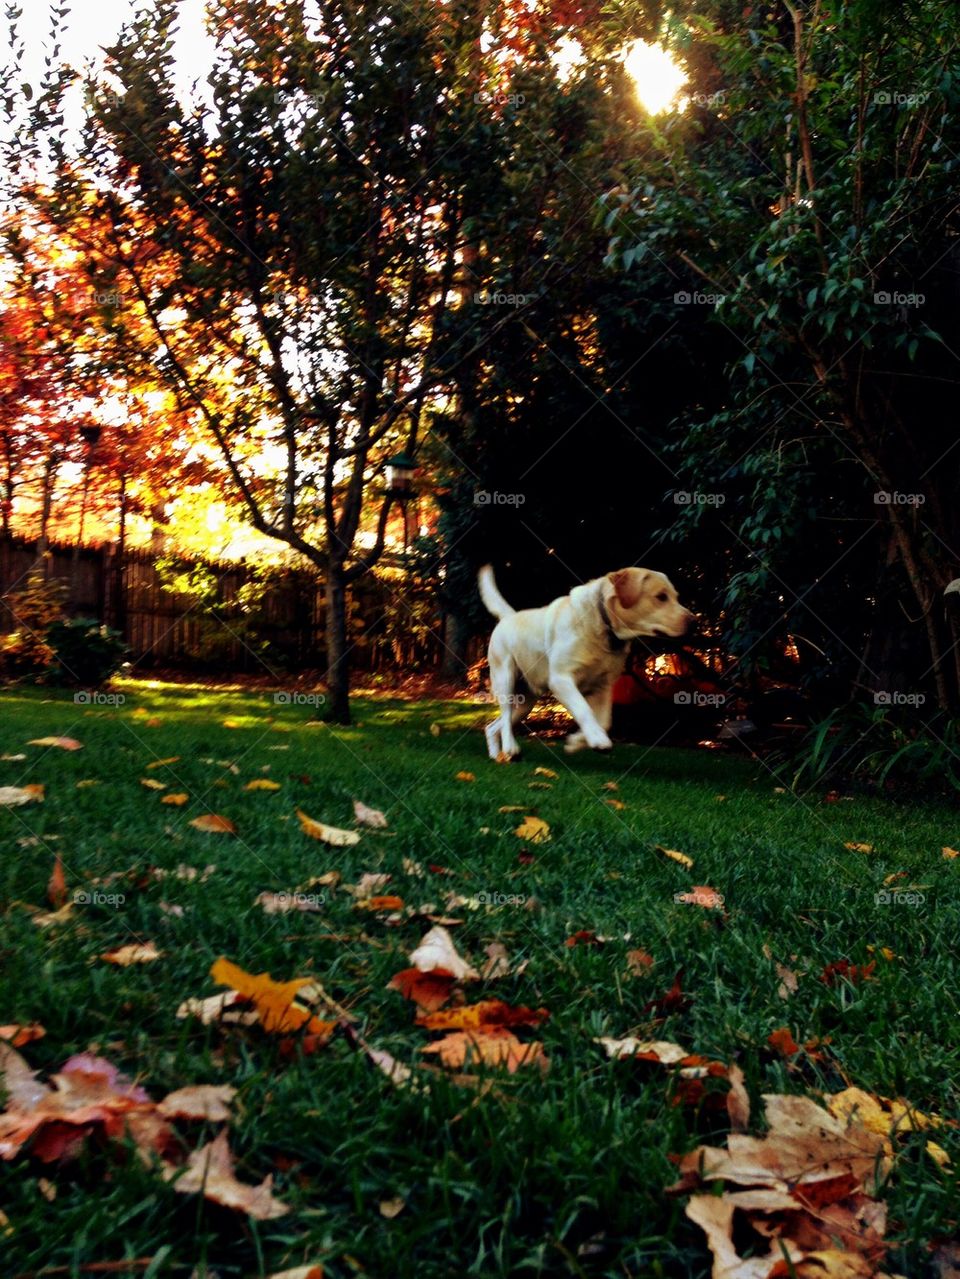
562 1173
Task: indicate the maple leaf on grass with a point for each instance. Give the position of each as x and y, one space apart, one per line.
274 1001
367 816
22 1033
494 1047
15 796
199 1101
210 1171
482 1016
437 950
534 830
428 991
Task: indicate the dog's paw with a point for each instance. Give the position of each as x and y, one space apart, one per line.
599 741
575 742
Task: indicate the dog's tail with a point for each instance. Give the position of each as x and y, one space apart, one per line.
491 597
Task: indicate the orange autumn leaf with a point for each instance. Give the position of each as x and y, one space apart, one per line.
495 1047
783 1042
19 1034
162 763
638 962
62 743
327 834
57 887
616 804
178 798
584 937
214 823
950 853
858 848
134 953
273 1000
675 856
381 903
843 968
485 1015
209 1172
464 776
428 991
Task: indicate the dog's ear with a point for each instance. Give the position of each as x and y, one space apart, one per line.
628 585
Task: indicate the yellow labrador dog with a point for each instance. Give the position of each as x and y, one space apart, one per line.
574 648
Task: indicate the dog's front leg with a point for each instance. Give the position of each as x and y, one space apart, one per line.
564 689
601 703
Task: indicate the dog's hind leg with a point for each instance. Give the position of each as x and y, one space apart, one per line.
503 682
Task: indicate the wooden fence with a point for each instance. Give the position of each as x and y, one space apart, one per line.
165 627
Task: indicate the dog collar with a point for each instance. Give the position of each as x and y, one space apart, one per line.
616 643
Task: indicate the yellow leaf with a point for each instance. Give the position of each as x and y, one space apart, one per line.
609 786
617 804
214 823
161 763
329 834
274 1000
533 829
859 848
262 783
152 784
951 853
546 772
134 953
464 776
685 861
178 798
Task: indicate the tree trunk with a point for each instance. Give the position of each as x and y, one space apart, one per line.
338 666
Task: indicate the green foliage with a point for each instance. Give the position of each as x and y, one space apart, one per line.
85 652
872 746
218 624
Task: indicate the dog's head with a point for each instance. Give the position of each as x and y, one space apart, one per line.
640 601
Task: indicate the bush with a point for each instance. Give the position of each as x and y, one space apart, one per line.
25 651
880 748
84 651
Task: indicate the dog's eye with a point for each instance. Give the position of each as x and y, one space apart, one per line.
663 597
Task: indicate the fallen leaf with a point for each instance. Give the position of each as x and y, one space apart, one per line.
230 1007
369 816
209 1171
482 1016
133 953
843 968
328 834
534 830
539 785
498 963
177 798
262 783
859 848
585 937
783 1042
151 783
14 796
199 1101
948 853
162 763
512 808
274 1001
545 772
681 858
388 902
428 991
57 887
391 1208
300 1272
609 786
464 776
496 1047
86 782
639 962
21 1033
62 743
436 950
214 823
738 1100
